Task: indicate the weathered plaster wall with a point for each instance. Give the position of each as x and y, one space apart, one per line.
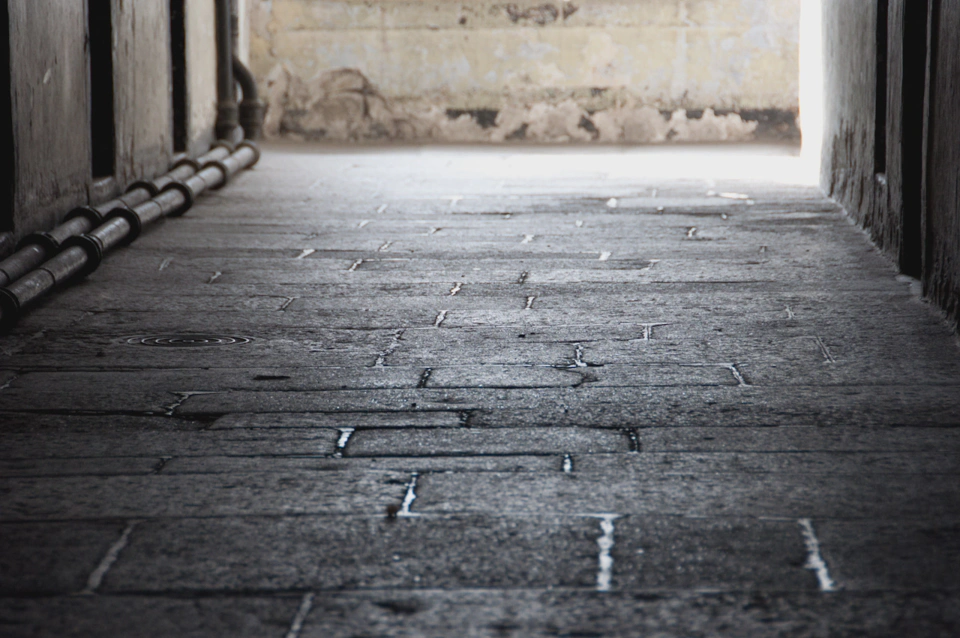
482 70
201 44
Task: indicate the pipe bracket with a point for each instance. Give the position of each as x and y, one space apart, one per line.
89 212
189 197
10 310
256 151
230 146
46 241
188 161
146 185
223 168
136 224
90 245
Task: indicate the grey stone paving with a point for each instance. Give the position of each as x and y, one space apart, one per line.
481 398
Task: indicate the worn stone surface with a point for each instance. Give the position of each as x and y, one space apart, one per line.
478 391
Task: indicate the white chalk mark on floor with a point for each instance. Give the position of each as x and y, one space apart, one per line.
390 349
97 575
691 232
824 350
441 316
612 202
530 301
740 196
433 231
382 209
384 247
363 223
732 367
790 314
567 464
409 497
650 264
345 434
355 265
579 224
9 382
578 358
527 239
648 330
457 287
286 304
454 200
735 371
306 252
815 562
296 625
181 397
604 256
605 560
214 277
164 264
654 194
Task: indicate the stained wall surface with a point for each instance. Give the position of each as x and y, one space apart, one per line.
142 77
49 109
941 233
50 104
201 38
479 69
849 125
890 154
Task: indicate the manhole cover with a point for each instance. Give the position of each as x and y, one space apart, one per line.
188 341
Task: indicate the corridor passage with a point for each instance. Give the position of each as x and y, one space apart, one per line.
503 392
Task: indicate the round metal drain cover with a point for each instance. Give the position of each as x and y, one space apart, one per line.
188 341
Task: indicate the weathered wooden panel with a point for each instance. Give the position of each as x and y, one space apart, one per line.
941 263
142 77
48 86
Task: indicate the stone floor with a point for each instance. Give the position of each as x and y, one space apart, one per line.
486 392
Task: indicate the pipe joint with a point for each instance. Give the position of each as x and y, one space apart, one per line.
222 166
187 161
89 213
189 197
10 310
131 217
146 185
92 247
256 152
47 242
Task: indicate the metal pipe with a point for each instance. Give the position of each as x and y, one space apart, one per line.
227 111
34 249
81 254
251 107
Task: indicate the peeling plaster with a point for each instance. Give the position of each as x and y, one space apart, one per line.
480 71
343 105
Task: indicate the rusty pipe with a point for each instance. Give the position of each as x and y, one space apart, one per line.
81 254
37 247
